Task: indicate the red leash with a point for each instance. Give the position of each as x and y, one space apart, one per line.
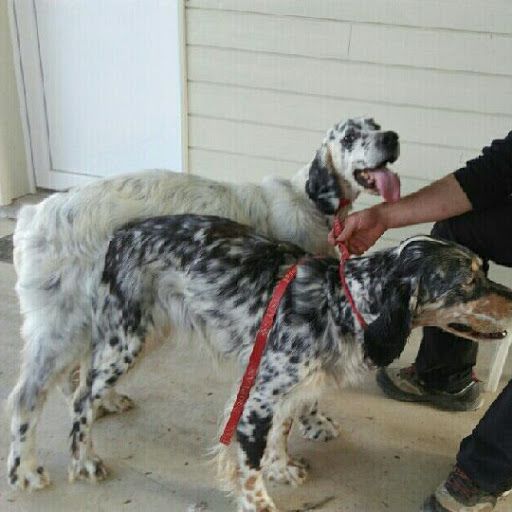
257 352
337 228
267 322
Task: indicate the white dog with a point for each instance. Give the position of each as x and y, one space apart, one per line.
60 245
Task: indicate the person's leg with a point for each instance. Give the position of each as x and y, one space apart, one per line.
484 464
486 455
444 361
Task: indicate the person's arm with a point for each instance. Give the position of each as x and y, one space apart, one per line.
484 182
440 200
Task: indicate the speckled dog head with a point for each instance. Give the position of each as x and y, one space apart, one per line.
352 158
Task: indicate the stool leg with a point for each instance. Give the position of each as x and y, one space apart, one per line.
497 364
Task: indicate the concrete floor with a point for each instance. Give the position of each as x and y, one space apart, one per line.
388 458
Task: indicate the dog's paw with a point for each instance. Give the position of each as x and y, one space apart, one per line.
255 508
114 403
27 478
249 505
318 427
91 469
292 472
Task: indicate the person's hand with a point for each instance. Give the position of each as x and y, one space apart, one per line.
362 229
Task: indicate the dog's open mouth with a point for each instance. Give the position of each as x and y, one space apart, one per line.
469 331
379 180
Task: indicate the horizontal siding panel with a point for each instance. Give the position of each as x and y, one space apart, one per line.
483 53
430 162
419 125
298 36
358 81
252 140
477 15
300 145
241 168
237 168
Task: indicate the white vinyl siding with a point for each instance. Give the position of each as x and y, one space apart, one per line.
267 78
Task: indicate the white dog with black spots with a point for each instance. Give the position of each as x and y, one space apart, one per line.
212 279
59 248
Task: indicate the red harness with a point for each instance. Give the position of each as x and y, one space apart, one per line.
267 322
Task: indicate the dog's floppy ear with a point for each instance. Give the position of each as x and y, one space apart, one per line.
385 337
322 186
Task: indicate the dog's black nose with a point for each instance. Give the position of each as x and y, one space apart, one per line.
390 140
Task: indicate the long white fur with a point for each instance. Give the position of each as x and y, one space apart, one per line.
60 243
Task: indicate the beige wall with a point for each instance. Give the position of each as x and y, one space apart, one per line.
268 77
13 163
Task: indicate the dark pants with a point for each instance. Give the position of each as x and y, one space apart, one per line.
445 362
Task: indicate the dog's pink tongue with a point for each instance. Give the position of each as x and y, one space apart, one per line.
388 184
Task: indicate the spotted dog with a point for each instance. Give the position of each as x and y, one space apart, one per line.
59 246
212 278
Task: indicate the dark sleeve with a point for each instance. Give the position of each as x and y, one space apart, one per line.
487 180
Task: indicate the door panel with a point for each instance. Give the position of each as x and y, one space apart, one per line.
103 83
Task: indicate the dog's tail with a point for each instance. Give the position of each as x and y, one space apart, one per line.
224 457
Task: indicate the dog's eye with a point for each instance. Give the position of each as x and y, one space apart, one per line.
348 138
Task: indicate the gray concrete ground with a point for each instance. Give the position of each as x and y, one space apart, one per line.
388 458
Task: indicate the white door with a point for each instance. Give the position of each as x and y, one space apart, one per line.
102 86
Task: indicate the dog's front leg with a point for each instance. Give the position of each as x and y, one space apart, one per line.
252 434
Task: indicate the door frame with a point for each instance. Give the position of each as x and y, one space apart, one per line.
33 108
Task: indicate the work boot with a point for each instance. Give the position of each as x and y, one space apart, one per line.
460 494
405 385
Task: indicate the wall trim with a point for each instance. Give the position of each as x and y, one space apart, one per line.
182 28
22 94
